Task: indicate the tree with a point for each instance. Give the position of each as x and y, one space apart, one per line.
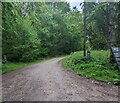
100 24
34 30
20 41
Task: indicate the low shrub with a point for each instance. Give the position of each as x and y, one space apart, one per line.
98 68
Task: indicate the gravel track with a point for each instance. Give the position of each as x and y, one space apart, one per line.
48 81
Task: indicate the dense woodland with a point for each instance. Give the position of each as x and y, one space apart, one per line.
35 30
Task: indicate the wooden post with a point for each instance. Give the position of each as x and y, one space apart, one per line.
88 55
4 59
84 28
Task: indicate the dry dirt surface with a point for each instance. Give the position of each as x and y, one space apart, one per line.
48 81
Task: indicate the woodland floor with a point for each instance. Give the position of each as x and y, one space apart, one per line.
48 81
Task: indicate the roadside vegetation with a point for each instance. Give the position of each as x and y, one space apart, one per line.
8 67
98 68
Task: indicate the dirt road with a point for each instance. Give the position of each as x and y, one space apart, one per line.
48 81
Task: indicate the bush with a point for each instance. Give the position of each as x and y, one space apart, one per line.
98 68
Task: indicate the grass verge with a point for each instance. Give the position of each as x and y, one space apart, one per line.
8 67
98 68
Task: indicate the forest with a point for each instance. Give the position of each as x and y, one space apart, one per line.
54 52
34 30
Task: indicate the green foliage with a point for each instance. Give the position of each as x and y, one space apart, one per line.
103 24
98 68
34 30
20 40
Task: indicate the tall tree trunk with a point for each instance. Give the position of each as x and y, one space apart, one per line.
112 24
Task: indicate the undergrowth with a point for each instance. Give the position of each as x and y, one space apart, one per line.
98 68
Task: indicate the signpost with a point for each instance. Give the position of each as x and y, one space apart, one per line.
116 54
